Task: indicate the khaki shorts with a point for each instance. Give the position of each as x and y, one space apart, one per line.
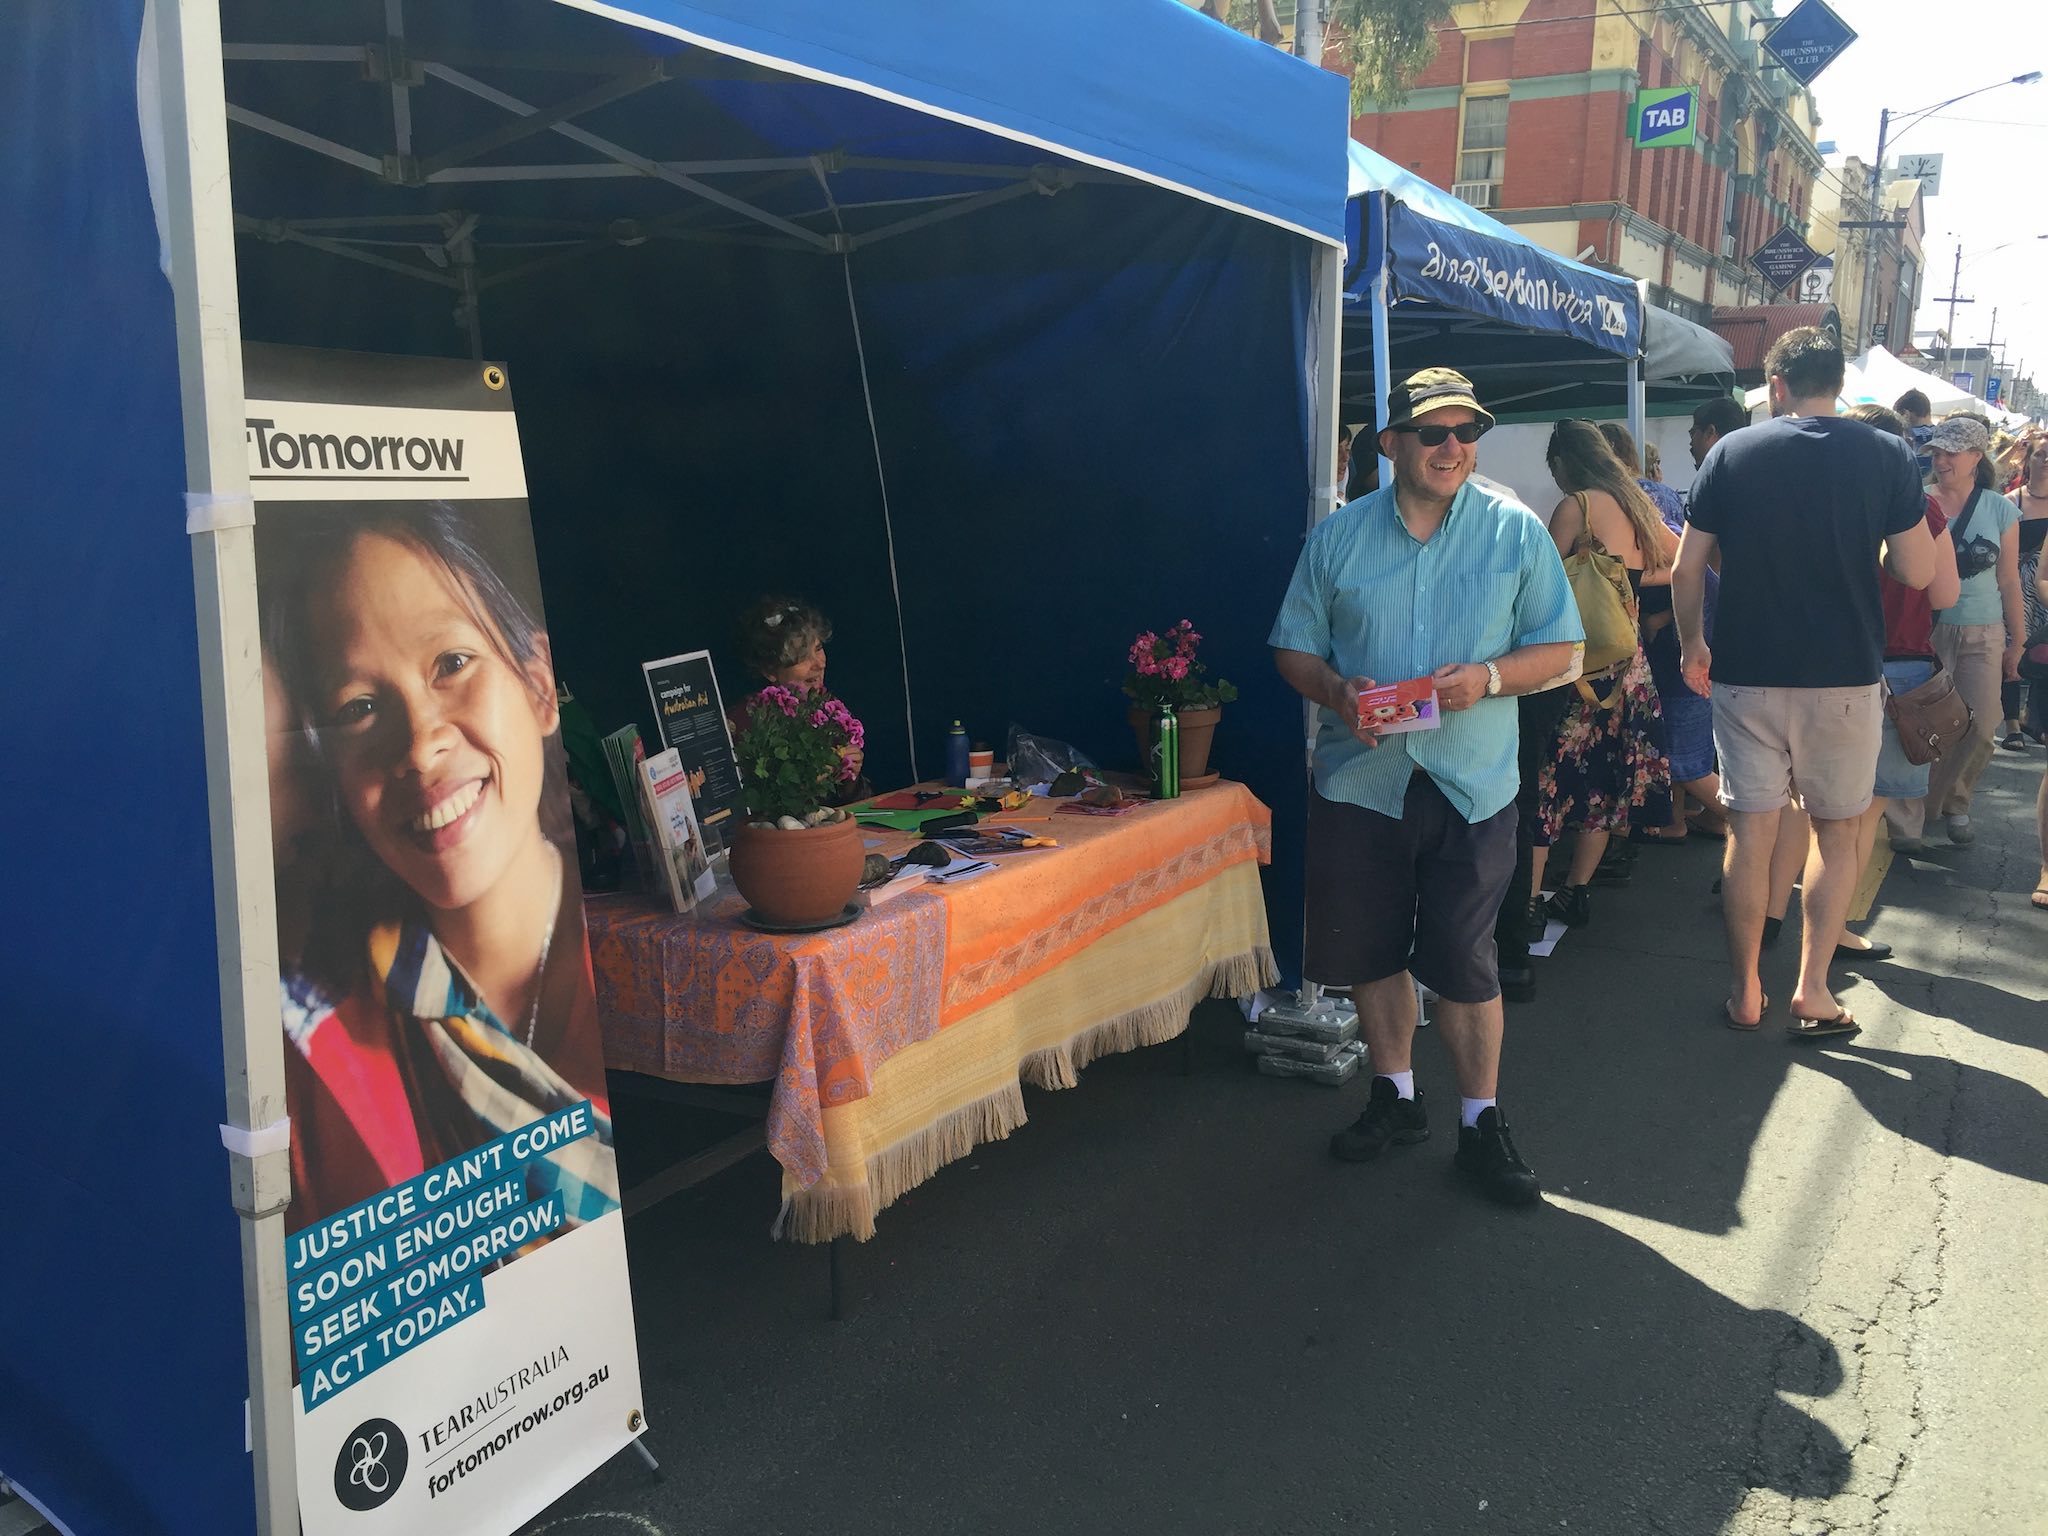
1823 740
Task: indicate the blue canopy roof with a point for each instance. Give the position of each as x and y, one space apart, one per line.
1152 88
1446 253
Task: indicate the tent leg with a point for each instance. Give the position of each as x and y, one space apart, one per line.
1325 379
1638 407
1382 365
201 231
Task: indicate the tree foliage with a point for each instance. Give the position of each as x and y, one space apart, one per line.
1387 43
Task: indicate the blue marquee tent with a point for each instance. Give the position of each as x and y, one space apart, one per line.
1430 279
1025 313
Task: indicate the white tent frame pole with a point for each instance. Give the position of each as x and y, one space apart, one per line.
1326 378
624 156
299 136
201 238
1638 402
401 87
1382 347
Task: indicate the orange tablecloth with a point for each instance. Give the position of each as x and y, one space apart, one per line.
702 998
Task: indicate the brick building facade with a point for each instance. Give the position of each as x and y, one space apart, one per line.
1526 112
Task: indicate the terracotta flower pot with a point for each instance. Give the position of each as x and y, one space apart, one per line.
792 878
1197 730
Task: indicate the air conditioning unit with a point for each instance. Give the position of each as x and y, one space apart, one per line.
1480 194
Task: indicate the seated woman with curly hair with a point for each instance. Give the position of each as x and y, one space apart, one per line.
781 641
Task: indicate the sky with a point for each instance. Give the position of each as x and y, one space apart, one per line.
1995 149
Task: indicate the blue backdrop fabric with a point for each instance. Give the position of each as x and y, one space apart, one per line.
121 1356
1092 411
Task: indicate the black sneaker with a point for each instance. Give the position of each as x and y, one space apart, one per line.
1572 906
1487 1155
1517 978
1388 1117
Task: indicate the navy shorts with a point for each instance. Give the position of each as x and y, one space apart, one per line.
1417 893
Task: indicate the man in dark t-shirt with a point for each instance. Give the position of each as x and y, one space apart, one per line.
1798 511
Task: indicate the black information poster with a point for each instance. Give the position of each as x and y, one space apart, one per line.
691 718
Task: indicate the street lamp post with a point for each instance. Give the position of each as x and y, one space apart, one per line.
1907 120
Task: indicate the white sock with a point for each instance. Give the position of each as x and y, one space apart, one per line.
1471 1109
1404 1082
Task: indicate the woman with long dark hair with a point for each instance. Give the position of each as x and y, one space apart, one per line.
442 996
1602 768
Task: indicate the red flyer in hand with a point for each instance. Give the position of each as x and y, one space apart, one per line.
1395 707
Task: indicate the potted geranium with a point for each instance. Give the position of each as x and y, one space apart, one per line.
1166 670
796 858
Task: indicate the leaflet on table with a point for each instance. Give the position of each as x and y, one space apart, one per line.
672 823
909 877
1395 707
623 754
689 713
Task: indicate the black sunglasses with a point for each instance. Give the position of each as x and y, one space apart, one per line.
1432 436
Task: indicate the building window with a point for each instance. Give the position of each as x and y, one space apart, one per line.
1482 151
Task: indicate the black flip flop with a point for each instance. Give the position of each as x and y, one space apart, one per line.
1728 1015
1804 1028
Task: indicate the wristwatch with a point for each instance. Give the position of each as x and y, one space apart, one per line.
1492 679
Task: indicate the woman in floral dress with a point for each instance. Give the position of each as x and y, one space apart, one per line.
1602 768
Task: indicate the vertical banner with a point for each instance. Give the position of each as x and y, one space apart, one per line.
462 1323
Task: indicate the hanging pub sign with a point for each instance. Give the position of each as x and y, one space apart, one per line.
461 1321
1666 117
1780 259
1809 40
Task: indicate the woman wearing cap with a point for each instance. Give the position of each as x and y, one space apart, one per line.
1978 638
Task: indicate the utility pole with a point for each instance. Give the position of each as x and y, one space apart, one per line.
1955 286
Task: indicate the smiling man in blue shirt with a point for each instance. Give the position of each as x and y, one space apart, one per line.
1411 838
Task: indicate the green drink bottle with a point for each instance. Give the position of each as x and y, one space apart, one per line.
1166 756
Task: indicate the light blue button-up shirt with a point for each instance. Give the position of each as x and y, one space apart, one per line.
1373 601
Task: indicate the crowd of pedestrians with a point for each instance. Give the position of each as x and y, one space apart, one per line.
1773 661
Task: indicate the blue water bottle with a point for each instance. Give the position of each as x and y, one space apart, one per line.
956 755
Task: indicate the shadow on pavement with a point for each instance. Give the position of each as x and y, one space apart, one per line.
1985 1010
1892 1087
1161 1306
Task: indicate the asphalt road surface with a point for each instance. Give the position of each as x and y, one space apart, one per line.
1776 1286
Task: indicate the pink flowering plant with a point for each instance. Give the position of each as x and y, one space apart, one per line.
1164 670
795 749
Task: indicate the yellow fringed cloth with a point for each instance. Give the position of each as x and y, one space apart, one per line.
1121 968
901 1042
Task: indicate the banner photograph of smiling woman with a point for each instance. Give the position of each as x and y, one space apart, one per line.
454 1244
